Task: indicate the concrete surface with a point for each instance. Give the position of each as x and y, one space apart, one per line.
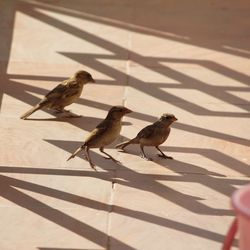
190 58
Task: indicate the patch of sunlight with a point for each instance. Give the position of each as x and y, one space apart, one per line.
204 74
236 49
199 192
50 47
242 94
151 75
37 83
87 30
109 21
202 100
35 94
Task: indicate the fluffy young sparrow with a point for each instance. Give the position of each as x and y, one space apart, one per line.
104 134
63 94
152 135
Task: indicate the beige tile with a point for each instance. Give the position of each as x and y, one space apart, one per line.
194 148
192 65
171 215
57 142
39 227
69 27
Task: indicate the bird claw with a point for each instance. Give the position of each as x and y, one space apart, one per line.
118 162
146 158
93 166
121 149
57 112
165 156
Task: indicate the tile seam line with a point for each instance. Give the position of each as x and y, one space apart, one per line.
128 62
111 204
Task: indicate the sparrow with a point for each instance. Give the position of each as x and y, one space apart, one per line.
63 94
152 135
104 134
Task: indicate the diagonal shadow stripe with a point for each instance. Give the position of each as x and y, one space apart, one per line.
174 225
193 108
54 215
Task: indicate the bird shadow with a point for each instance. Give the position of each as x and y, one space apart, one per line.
129 177
136 180
10 184
171 164
86 123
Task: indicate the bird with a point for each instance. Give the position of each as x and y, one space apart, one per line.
104 134
152 135
63 94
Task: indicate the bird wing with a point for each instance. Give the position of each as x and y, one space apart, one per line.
146 132
97 133
62 90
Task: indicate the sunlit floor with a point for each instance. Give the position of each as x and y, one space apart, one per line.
189 58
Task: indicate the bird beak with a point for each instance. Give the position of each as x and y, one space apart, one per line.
127 111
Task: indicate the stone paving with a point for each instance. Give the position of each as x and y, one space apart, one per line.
190 58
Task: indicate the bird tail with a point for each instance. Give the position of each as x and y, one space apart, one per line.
76 152
126 143
31 111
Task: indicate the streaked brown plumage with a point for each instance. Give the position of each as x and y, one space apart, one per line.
63 94
104 134
152 135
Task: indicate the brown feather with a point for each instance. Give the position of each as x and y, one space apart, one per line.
31 111
76 152
126 143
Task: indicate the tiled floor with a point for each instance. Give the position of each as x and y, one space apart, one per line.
190 58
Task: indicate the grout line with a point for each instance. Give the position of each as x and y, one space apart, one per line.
113 184
128 62
111 203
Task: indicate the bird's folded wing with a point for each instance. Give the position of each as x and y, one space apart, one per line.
147 132
62 90
98 132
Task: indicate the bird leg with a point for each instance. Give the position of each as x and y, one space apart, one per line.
143 156
109 156
162 154
86 154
